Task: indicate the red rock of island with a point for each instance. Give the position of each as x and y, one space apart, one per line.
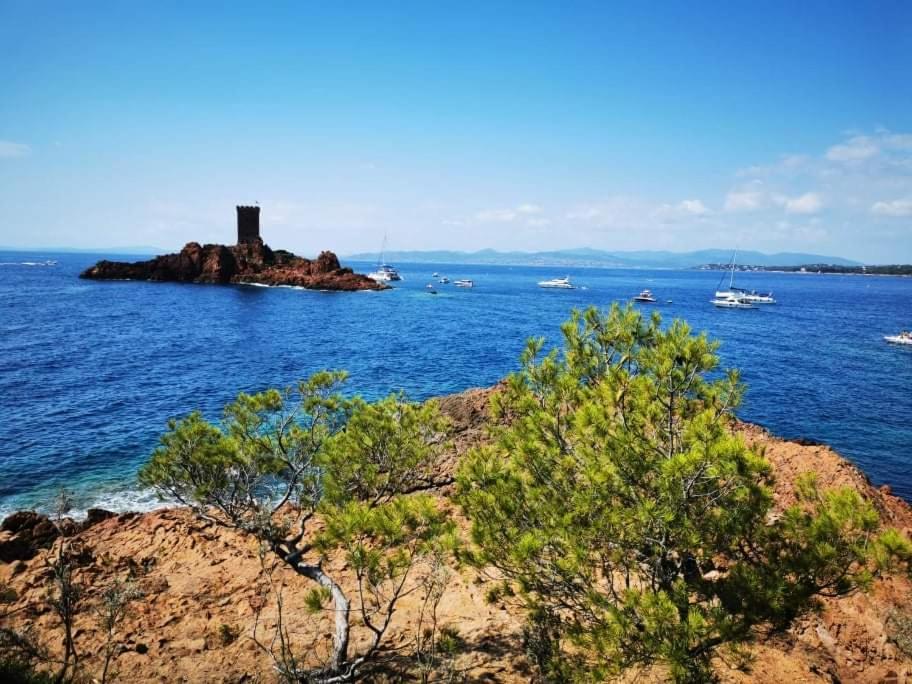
250 261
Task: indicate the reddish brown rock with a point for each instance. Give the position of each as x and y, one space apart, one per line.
250 262
197 579
24 534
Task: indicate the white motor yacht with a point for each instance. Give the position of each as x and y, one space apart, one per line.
732 302
904 337
384 274
465 282
443 280
645 296
558 283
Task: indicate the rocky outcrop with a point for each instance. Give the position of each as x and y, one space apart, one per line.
201 582
251 263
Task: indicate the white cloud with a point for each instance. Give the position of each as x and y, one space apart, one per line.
898 141
10 150
496 215
585 213
808 203
899 207
859 148
538 222
745 200
686 209
693 207
619 211
507 215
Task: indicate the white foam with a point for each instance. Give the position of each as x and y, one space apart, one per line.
119 501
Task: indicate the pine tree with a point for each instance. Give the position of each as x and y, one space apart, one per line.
282 460
619 507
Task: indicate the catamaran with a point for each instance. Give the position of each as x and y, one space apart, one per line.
384 273
558 283
751 296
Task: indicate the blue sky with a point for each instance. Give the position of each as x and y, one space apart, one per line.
679 125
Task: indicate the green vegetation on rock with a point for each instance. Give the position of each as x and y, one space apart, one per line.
280 461
620 509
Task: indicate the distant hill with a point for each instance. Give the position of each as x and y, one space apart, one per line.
138 250
596 258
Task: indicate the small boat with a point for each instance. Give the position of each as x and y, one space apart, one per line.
732 302
558 283
430 288
443 280
904 337
465 282
645 296
434 274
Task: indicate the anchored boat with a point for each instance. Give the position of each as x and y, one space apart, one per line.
904 337
384 273
751 296
558 283
731 301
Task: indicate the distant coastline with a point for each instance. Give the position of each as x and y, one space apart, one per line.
595 258
901 270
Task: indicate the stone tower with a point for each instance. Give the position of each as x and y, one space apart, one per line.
248 224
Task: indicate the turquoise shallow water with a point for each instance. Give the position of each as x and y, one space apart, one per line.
91 371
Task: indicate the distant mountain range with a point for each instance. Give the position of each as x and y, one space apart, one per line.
596 258
139 250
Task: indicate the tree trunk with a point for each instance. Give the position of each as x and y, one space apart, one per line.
340 607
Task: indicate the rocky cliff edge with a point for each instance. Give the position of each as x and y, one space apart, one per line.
202 582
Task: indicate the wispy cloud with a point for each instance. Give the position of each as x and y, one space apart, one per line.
854 149
508 215
683 210
808 203
898 207
745 199
694 207
11 150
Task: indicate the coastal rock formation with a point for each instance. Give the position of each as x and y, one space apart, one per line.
248 262
202 583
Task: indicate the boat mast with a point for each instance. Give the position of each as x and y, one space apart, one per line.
732 280
382 250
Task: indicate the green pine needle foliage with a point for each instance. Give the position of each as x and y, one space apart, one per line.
616 501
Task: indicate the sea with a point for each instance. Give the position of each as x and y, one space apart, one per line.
90 372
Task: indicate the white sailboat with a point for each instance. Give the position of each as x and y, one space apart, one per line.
384 273
751 296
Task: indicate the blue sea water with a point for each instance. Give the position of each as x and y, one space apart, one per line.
90 372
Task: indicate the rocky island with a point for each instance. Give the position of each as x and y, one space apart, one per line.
250 261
